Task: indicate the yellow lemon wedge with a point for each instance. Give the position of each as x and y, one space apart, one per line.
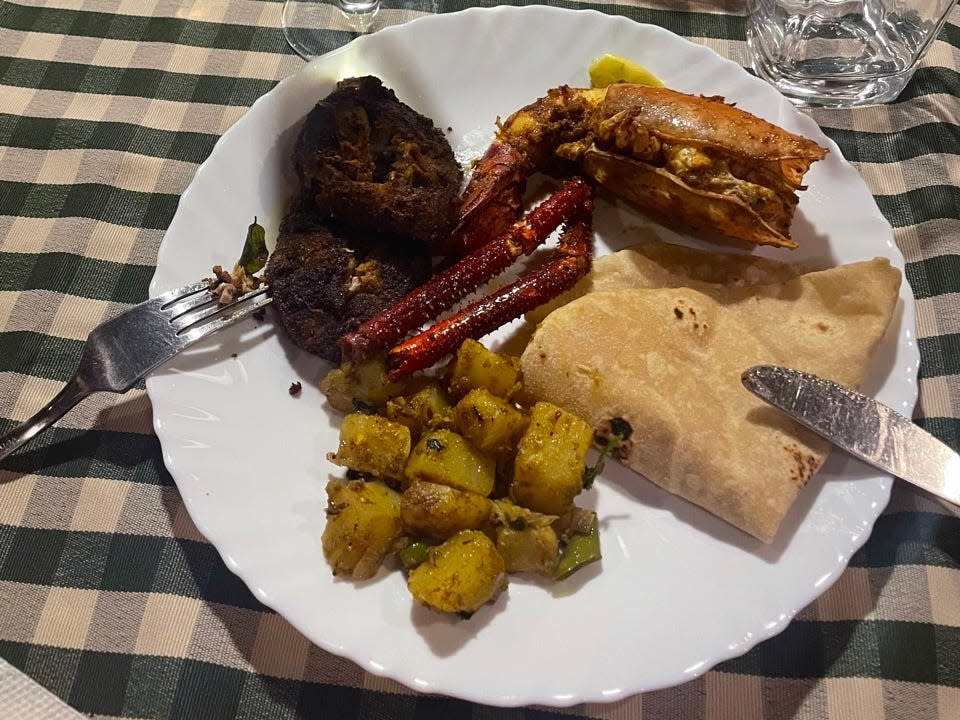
608 69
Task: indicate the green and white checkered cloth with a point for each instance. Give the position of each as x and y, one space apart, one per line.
109 596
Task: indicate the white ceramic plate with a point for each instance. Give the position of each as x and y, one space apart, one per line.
678 590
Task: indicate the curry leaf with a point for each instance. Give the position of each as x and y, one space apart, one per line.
254 255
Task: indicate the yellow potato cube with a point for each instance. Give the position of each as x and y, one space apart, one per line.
460 575
373 445
532 549
353 385
444 457
363 522
439 511
477 367
548 470
489 422
424 410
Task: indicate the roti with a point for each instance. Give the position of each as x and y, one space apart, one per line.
668 360
660 264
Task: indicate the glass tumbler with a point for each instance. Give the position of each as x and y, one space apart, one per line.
840 53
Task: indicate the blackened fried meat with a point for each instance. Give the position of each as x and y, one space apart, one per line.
368 160
327 279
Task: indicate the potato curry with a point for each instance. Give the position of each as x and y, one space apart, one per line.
457 480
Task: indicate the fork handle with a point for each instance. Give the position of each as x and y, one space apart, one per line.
72 393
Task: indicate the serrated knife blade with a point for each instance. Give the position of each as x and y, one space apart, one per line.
863 427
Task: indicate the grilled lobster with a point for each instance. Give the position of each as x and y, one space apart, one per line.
690 160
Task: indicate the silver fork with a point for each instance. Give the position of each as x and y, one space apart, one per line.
120 351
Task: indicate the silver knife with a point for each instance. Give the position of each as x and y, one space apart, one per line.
860 425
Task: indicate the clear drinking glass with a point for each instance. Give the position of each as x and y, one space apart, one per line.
304 21
840 53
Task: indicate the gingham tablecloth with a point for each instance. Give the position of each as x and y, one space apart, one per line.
109 597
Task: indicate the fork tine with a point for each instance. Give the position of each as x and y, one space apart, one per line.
184 318
184 305
171 296
202 324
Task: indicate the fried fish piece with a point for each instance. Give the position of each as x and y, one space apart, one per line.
326 279
370 161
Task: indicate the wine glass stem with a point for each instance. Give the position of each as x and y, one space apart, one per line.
359 13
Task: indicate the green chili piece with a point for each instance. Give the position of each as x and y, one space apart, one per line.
613 437
580 550
414 554
590 473
254 255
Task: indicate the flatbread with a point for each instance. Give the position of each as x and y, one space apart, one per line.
668 360
659 264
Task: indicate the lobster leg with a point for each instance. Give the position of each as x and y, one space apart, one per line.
575 250
446 288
